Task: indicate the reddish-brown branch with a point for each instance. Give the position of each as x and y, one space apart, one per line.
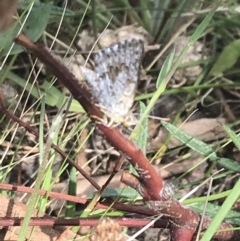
113 135
46 221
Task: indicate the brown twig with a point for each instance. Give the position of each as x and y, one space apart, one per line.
56 148
152 185
66 197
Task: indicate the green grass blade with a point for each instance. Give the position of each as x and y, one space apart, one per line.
225 208
188 140
235 138
33 199
140 137
146 14
202 26
165 68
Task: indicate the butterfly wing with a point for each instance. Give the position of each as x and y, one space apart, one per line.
118 66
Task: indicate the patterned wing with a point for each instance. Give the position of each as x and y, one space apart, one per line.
118 66
92 80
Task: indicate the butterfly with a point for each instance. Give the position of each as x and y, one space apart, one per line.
114 80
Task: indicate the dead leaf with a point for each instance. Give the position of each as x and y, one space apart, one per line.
110 37
205 129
